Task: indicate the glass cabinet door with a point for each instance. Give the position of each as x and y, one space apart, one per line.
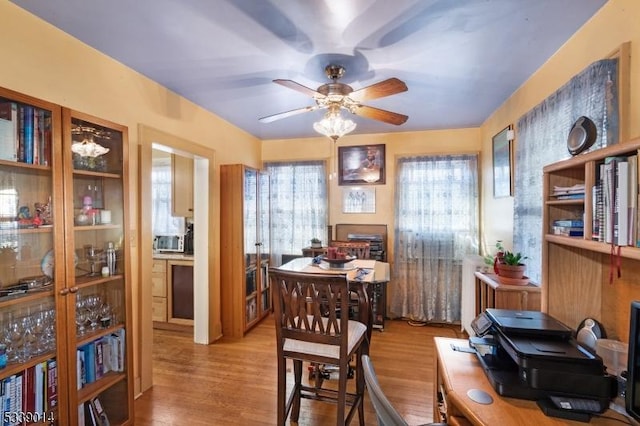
98 269
31 230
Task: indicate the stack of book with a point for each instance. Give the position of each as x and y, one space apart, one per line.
568 227
569 192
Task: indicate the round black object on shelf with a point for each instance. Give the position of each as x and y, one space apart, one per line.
582 135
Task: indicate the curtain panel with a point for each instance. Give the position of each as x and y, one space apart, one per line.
437 225
298 206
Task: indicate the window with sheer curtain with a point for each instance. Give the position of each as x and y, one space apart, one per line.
162 221
437 225
298 205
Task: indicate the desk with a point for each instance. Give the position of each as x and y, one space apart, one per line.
379 275
457 372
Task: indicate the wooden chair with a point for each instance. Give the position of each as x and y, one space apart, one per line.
385 413
309 328
359 249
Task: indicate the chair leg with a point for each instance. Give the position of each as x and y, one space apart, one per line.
342 392
360 385
297 374
282 390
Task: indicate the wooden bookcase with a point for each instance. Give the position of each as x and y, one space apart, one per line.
49 299
244 233
579 275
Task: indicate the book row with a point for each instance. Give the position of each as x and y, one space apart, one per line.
92 413
615 206
25 134
97 358
30 396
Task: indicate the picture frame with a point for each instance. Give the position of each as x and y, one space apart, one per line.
359 200
503 163
361 165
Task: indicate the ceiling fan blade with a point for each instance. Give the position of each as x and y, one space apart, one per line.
299 88
381 89
381 115
281 115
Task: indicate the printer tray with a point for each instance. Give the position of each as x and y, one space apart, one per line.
505 377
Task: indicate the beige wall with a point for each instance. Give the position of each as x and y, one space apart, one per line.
614 24
42 61
396 144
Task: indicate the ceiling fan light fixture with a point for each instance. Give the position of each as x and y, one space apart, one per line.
334 126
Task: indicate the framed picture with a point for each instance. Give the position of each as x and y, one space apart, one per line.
361 165
502 185
358 200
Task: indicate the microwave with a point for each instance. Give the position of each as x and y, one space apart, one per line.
168 243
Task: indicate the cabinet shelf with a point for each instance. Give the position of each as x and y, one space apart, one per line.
14 368
576 202
39 230
96 388
30 167
96 227
91 336
108 175
594 246
25 297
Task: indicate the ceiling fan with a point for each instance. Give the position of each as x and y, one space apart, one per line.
335 96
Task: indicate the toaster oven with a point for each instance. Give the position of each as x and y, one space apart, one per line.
168 244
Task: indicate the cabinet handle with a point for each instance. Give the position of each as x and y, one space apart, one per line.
64 292
73 289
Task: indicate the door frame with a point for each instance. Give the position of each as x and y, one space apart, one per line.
207 321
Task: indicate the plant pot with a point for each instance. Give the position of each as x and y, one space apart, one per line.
511 271
316 245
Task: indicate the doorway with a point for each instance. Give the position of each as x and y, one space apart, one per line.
207 324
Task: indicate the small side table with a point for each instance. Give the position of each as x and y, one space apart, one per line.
313 251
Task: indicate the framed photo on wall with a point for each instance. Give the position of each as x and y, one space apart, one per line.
358 200
502 163
361 165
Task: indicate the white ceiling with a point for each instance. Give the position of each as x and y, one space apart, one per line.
460 59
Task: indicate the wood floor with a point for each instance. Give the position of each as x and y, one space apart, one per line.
234 382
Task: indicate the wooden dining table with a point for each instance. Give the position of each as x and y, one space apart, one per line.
360 273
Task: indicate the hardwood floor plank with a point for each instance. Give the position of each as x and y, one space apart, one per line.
233 382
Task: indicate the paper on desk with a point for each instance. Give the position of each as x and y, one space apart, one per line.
365 263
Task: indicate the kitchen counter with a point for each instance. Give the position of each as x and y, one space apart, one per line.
172 256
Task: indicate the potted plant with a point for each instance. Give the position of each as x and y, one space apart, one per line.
511 265
316 243
492 260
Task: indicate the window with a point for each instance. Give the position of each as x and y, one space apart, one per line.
163 222
298 205
437 225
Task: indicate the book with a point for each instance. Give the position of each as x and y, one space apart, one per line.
9 131
89 362
632 195
101 415
573 223
81 378
52 384
621 229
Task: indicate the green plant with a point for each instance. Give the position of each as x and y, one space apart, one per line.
490 258
316 240
513 259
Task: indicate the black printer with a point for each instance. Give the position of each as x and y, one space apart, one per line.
531 355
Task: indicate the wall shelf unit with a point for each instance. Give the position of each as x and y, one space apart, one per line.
580 274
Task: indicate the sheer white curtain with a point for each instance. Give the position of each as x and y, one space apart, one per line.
298 206
437 225
163 222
